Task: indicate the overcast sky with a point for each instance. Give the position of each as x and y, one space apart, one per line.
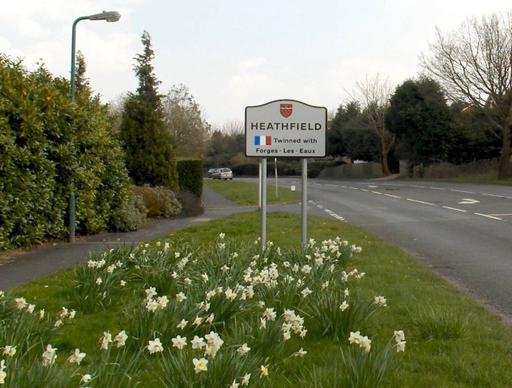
233 53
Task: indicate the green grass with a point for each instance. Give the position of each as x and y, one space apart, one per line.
427 308
246 193
489 178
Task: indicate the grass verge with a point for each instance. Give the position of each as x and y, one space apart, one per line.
246 193
451 340
490 178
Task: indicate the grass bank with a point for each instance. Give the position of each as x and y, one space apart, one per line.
489 178
246 193
451 340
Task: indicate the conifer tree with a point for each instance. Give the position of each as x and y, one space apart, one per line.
150 156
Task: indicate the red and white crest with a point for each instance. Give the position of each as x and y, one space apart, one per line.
286 110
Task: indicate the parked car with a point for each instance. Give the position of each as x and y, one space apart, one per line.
211 171
223 173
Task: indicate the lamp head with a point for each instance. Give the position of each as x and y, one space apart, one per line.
109 16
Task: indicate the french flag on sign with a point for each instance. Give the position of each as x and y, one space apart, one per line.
262 140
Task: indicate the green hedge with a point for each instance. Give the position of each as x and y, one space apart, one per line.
190 175
49 146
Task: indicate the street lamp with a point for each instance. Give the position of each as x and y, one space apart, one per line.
109 16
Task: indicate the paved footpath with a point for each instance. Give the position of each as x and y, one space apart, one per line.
50 258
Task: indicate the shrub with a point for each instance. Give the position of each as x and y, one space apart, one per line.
190 176
130 215
159 201
50 146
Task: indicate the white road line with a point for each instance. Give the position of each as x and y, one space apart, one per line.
437 188
423 202
372 186
393 196
376 192
468 201
454 208
488 216
353 188
364 190
493 195
463 191
501 215
418 186
332 214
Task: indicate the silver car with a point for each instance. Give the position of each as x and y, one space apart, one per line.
224 173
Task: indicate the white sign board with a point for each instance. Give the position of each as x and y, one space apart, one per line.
285 129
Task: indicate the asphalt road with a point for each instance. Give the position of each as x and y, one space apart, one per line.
462 231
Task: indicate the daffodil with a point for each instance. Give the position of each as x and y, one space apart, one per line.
243 350
105 340
179 342
120 339
246 379
380 301
86 378
180 297
49 355
198 343
200 365
76 357
155 346
344 306
9 350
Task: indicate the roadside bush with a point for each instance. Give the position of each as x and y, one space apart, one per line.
190 176
131 215
49 147
158 201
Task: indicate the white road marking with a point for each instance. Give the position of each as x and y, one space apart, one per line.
332 214
493 195
393 196
488 216
463 191
418 186
353 188
372 186
437 188
454 208
376 192
468 201
501 215
423 202
365 190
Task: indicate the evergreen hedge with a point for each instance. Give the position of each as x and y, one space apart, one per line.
190 176
49 146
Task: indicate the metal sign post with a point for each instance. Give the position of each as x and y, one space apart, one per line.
304 204
275 173
284 129
263 203
259 184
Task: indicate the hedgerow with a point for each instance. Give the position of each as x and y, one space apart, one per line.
48 147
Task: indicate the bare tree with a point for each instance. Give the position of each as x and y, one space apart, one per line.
233 127
184 120
474 65
375 93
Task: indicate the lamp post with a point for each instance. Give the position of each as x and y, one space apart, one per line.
109 16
